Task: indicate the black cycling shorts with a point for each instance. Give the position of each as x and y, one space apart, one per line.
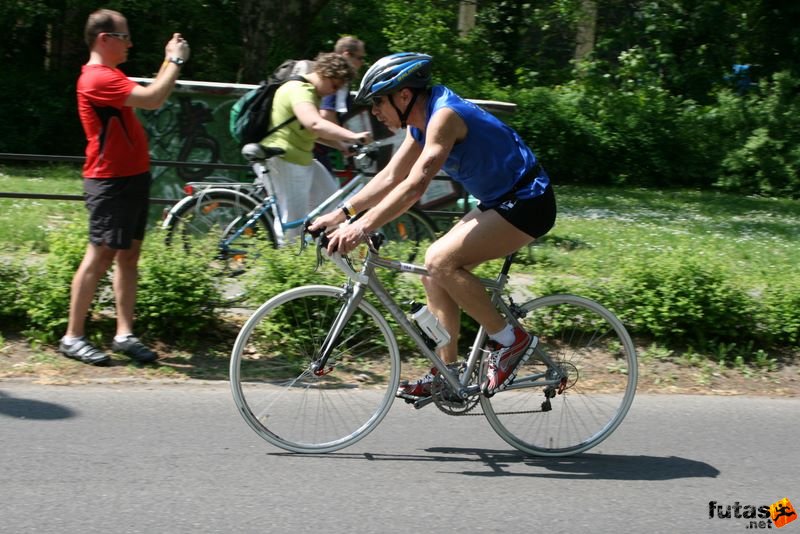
534 216
118 209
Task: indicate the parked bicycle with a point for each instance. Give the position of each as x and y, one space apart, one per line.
243 215
317 367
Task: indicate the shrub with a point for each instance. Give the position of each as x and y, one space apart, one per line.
271 271
176 291
778 317
12 274
45 293
763 155
681 300
673 299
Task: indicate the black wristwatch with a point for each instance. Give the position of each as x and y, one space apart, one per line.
177 60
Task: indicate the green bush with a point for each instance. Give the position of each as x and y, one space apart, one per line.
778 317
271 271
627 128
176 291
173 295
596 130
563 138
678 299
46 289
12 274
764 130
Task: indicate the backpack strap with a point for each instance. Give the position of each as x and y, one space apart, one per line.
295 78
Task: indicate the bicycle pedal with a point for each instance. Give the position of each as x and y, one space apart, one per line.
422 402
410 399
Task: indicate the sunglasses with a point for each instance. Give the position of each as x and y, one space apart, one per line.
121 36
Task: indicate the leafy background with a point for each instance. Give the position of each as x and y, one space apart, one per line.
652 104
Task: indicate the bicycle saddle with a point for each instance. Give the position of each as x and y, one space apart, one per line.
256 152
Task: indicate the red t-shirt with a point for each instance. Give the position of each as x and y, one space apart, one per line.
117 142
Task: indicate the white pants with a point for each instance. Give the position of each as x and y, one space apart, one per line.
298 189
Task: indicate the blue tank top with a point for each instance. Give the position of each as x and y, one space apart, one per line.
491 159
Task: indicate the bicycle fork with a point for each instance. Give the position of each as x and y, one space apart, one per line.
353 295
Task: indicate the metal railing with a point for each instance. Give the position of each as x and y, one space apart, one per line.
80 160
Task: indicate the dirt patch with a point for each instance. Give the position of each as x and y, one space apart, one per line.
44 365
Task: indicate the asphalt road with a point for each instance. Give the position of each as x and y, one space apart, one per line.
166 458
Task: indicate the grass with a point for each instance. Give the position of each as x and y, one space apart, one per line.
24 222
598 230
756 239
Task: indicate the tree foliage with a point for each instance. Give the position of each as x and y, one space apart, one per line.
656 84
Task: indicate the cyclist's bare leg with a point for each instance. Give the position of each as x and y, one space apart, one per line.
449 314
478 237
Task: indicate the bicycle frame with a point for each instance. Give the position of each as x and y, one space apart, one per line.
365 279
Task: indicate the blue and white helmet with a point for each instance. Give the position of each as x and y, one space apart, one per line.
394 72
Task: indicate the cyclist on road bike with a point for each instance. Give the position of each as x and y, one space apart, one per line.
517 203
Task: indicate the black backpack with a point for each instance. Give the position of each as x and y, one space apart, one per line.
250 115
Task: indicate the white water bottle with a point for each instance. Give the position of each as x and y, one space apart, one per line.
429 324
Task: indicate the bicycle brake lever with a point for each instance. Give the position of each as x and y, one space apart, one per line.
322 242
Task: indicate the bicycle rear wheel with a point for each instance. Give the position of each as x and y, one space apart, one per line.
208 220
597 359
284 400
408 235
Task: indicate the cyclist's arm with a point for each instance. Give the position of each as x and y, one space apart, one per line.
387 179
444 130
380 185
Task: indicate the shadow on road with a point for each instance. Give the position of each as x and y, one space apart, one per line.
492 463
32 409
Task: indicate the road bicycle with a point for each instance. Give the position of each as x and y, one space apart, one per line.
244 215
317 367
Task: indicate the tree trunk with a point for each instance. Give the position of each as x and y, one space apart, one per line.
466 16
587 25
273 25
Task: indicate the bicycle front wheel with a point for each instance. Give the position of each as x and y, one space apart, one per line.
280 395
595 360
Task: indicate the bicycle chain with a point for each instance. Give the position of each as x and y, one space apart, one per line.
438 387
498 413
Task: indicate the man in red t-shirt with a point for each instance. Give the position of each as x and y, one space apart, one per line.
116 179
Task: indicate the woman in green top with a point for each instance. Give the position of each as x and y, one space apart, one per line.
296 174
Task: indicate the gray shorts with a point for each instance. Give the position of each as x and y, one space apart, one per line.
118 209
